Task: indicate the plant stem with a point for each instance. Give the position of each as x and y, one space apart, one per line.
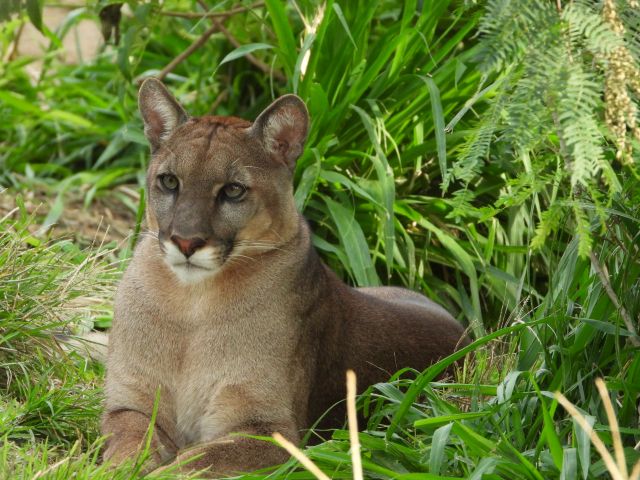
223 14
604 279
190 49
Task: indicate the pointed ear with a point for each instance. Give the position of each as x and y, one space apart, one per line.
283 129
161 112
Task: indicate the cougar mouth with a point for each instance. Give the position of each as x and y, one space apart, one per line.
203 263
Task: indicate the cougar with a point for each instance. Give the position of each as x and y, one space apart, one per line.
226 312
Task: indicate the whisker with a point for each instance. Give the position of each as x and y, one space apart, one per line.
257 246
237 255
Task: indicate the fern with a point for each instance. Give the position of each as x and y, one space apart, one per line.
551 64
549 223
578 124
585 25
474 151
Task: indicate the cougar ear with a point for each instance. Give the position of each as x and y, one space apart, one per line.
161 112
282 128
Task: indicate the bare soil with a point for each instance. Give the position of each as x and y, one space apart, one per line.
106 220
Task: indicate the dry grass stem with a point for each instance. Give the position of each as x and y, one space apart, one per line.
617 468
301 457
613 423
352 418
47 470
602 450
354 439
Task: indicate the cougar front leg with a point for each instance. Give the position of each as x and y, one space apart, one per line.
127 434
235 453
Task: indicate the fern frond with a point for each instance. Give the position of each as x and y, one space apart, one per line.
554 104
585 24
576 112
631 20
476 147
583 230
549 223
506 30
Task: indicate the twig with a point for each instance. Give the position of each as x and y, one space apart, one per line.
250 58
224 14
604 279
192 48
12 51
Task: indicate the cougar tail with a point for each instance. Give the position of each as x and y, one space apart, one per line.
91 345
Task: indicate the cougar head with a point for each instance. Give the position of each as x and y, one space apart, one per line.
219 189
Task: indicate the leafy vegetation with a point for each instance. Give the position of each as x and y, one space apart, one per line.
483 154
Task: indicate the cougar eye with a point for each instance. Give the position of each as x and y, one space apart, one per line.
234 191
170 182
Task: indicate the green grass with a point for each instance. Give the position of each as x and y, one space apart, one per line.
498 415
399 106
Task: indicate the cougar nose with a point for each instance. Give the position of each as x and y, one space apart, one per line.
188 246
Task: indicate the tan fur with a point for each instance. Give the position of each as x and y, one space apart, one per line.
260 340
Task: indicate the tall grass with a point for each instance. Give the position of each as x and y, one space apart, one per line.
379 83
396 97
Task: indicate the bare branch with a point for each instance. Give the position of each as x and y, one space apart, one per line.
190 49
222 14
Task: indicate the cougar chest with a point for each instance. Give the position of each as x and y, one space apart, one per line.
230 363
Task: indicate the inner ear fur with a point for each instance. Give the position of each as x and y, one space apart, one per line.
161 112
283 127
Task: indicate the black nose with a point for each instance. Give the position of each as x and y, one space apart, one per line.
188 246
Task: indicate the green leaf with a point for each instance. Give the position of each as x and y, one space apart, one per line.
353 243
34 10
54 212
439 420
243 50
436 457
549 431
70 119
584 444
297 71
343 22
486 466
569 464
438 128
608 327
286 39
385 176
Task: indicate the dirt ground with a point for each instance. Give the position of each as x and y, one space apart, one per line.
106 220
